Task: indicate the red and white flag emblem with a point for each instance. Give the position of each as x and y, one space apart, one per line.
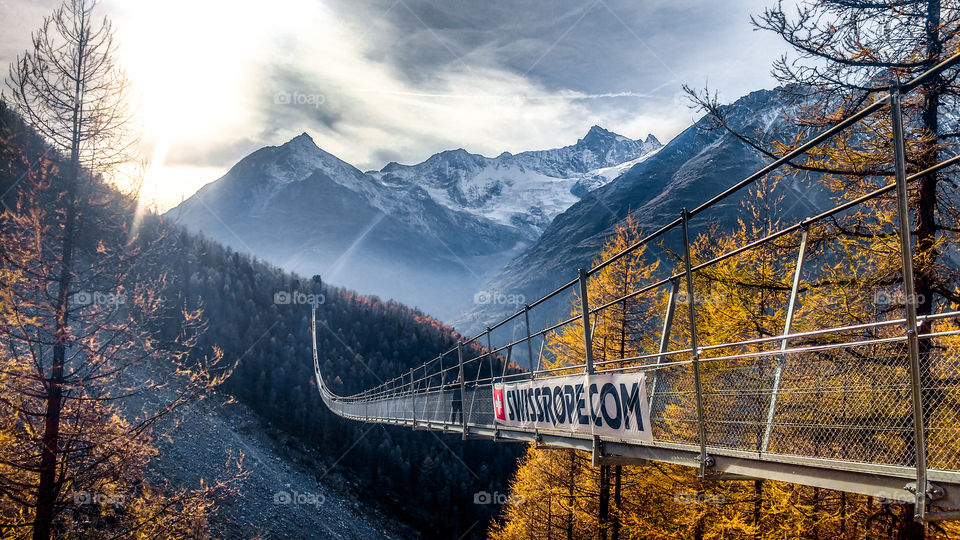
498 404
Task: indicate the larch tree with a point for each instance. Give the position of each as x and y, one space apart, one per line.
556 495
80 310
843 55
70 89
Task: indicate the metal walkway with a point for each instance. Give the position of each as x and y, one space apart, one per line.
872 408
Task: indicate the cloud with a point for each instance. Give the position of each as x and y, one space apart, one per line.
403 79
592 46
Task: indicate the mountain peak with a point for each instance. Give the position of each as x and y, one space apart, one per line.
651 140
392 166
296 160
596 130
598 137
459 157
596 133
301 141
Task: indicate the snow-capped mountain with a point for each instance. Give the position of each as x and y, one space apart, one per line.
525 190
424 234
687 171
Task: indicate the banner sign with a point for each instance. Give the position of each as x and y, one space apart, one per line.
612 404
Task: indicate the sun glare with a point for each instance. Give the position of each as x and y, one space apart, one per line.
190 64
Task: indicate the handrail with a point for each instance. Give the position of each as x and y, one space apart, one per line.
879 103
434 369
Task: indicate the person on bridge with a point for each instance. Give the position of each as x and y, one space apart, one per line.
456 402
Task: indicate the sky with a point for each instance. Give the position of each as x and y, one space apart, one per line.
399 80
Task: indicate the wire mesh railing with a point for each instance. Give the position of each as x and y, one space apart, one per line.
876 392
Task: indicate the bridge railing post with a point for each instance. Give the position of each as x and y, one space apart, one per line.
506 363
476 390
490 354
496 428
526 316
441 390
463 417
705 461
543 343
910 305
781 359
587 335
588 354
413 400
664 337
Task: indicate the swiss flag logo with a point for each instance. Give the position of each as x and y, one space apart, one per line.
498 404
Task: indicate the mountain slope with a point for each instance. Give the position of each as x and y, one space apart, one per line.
204 433
424 234
697 164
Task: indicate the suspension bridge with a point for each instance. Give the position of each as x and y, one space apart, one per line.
870 408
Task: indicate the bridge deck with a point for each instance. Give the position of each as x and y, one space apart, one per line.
837 426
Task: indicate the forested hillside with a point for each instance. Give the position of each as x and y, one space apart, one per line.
426 478
255 317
